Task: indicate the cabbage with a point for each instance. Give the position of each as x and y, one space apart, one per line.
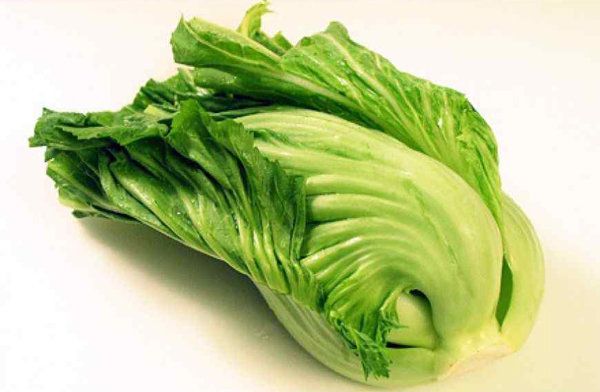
363 202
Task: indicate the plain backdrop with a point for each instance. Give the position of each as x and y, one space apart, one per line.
90 305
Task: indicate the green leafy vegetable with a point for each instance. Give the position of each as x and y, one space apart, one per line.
364 202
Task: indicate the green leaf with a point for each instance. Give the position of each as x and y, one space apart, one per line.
329 72
199 181
163 98
251 28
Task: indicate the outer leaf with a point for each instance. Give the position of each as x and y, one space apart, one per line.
198 181
330 72
164 97
526 262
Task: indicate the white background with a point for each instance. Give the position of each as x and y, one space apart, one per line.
100 306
